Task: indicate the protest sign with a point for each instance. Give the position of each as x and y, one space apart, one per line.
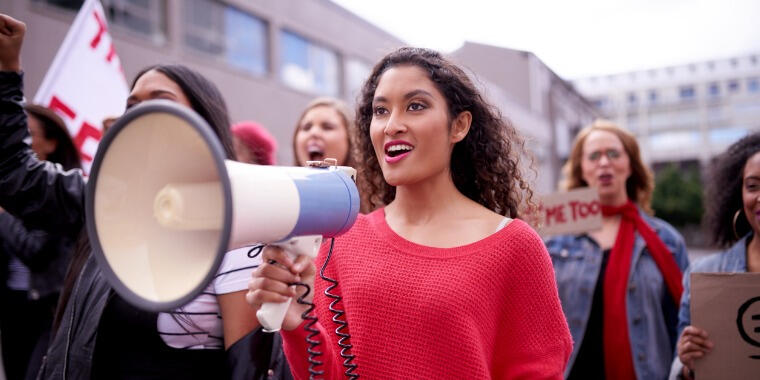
570 212
727 306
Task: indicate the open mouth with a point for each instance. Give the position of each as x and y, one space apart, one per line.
605 178
398 149
315 153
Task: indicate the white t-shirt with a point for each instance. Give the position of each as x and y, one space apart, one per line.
198 325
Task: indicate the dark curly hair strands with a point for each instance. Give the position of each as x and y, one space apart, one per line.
724 191
485 165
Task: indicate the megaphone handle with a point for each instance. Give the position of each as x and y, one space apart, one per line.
271 314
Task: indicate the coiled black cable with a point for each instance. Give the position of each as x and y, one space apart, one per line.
309 327
343 341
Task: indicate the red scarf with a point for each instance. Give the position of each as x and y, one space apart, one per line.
618 359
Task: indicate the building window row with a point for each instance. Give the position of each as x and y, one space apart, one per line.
240 39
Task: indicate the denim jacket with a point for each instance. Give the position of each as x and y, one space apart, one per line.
652 314
732 260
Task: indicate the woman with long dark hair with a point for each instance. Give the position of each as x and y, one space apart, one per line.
439 279
733 205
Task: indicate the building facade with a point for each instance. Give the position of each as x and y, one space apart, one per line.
544 107
685 114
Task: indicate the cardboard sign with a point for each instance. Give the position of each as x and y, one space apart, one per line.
85 83
727 306
570 212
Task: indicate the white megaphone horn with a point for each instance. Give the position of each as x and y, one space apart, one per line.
164 205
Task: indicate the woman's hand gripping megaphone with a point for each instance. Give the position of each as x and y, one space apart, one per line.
270 291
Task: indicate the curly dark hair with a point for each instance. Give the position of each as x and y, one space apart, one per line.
724 191
485 165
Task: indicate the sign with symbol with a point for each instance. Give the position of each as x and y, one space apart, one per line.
727 306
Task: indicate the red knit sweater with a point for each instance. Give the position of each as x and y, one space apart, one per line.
486 310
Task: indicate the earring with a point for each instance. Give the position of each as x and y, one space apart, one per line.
736 217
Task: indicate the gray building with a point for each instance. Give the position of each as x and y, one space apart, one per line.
546 108
687 113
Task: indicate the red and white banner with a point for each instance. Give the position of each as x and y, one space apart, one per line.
85 84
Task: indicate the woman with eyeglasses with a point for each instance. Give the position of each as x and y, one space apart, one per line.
620 286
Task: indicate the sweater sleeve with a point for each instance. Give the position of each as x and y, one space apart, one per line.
296 350
534 340
40 193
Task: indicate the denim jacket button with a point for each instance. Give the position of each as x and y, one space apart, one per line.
34 294
636 320
564 253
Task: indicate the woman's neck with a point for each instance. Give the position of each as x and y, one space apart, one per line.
428 200
614 200
436 214
753 254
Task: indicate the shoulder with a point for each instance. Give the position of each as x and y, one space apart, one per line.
366 223
732 259
710 263
521 239
667 233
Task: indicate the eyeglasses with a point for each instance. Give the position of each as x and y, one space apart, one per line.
612 155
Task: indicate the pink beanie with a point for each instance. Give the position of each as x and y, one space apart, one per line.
258 140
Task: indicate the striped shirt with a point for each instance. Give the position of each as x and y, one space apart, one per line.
198 325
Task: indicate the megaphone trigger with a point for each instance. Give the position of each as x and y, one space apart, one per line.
271 314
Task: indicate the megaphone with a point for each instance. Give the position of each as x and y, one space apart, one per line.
163 205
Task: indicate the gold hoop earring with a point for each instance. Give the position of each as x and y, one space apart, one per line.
736 217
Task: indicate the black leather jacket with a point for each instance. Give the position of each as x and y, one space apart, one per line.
45 196
46 254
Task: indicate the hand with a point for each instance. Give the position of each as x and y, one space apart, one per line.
11 37
693 345
272 283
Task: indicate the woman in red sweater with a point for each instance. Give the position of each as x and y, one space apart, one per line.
439 280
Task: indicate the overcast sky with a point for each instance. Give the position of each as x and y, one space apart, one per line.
577 38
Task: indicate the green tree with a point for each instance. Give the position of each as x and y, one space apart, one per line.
677 196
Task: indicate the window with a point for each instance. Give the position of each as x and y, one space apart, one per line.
356 74
668 139
307 66
632 98
753 85
146 17
726 136
653 96
600 102
713 89
686 93
733 86
227 33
